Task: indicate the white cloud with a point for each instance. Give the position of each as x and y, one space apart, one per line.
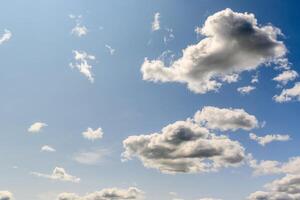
131 193
209 199
269 138
234 43
6 195
81 63
93 157
254 79
225 119
5 37
246 90
36 127
47 148
156 22
184 147
110 49
79 30
169 35
91 134
289 94
58 174
286 76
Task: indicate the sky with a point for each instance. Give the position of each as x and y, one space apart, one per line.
136 99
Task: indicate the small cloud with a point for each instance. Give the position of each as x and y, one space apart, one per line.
169 35
93 157
37 127
47 148
58 174
156 22
6 195
289 94
246 90
110 49
79 30
5 37
286 76
91 134
269 138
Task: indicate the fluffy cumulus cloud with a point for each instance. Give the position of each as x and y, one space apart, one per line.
156 22
131 193
82 60
184 147
91 134
269 138
233 43
225 119
58 174
37 127
286 76
286 188
6 195
246 90
289 94
47 148
5 37
92 157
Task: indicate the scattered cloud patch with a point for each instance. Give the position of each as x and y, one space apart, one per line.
286 76
233 43
110 49
131 193
156 22
225 119
6 195
169 35
58 174
93 157
82 60
246 90
289 94
5 37
47 148
79 30
36 127
269 138
91 134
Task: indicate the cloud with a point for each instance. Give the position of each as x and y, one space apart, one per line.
233 43
131 193
286 76
254 79
78 30
286 188
225 119
91 134
184 147
58 174
110 49
268 167
209 199
93 157
6 195
5 37
246 90
269 138
82 64
156 22
47 148
169 36
36 127
289 94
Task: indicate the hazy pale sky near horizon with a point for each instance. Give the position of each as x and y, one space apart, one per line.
151 100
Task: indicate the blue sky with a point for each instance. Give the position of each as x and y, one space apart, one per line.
38 85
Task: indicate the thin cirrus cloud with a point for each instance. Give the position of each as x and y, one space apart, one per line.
91 157
290 94
91 134
6 195
264 140
131 193
156 22
234 43
47 148
246 89
58 174
185 147
81 62
37 127
6 36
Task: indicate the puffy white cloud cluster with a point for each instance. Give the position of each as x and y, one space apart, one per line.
246 89
189 147
82 63
91 134
289 94
225 119
37 127
131 193
233 43
6 195
78 30
269 138
286 76
59 174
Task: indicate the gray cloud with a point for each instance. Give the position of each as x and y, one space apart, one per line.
233 43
